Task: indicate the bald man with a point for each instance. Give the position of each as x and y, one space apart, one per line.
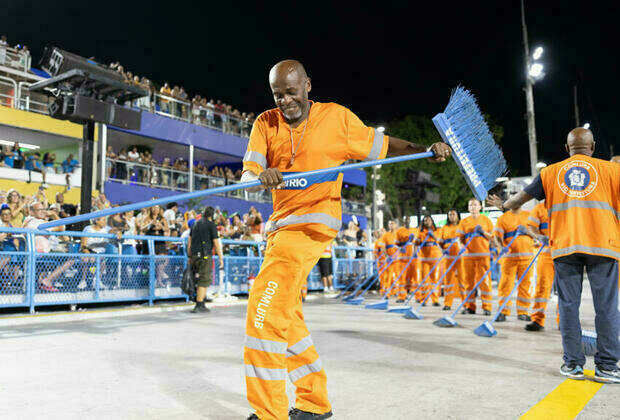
299 135
582 197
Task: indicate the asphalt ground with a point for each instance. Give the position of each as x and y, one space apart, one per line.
167 363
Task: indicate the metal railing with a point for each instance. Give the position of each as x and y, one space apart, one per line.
8 92
31 101
31 275
153 175
157 176
67 275
198 115
17 95
10 57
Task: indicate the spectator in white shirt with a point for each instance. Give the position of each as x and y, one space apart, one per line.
38 216
171 214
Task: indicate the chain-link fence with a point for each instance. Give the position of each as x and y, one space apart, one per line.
64 268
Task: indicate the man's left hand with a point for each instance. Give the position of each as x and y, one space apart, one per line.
441 151
495 201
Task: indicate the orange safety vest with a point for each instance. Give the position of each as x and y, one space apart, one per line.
583 202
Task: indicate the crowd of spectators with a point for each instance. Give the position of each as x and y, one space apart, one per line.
17 56
23 211
141 167
14 157
175 101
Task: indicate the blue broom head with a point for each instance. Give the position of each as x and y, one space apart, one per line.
588 342
475 152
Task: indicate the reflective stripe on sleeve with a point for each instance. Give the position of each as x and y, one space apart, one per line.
518 254
540 300
585 249
304 370
477 254
377 145
520 299
269 346
500 230
266 374
600 205
534 219
293 219
256 157
299 347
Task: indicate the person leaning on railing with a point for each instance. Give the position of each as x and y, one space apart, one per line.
154 224
38 216
95 245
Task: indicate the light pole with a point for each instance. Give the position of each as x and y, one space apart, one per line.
374 189
533 72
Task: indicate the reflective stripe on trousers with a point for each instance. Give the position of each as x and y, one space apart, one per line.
293 219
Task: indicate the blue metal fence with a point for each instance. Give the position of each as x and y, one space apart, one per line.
29 278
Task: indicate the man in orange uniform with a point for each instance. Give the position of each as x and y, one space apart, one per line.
299 135
413 272
539 223
477 258
430 253
380 255
391 269
515 261
451 247
582 197
406 244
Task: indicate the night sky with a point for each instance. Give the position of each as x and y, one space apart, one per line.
383 61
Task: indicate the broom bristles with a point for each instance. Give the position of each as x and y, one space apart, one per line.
480 159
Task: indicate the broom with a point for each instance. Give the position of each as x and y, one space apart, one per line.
384 302
486 328
461 125
448 321
410 312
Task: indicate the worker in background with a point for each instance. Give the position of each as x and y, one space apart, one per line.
515 261
380 257
451 247
406 245
392 250
582 198
413 272
430 253
477 258
538 221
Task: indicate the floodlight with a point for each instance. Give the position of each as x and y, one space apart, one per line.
586 126
537 53
536 70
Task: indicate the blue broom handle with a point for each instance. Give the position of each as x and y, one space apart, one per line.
507 299
449 267
407 265
226 188
412 293
499 257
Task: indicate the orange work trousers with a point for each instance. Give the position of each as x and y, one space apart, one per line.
277 340
452 280
544 282
430 284
401 274
413 277
474 268
513 269
384 276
